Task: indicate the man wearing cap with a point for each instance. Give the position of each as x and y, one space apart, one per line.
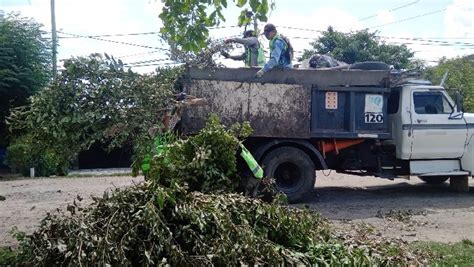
281 51
253 55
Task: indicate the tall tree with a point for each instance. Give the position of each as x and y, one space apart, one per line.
93 100
460 77
25 59
359 46
186 23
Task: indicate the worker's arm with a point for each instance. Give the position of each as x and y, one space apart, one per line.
274 56
249 41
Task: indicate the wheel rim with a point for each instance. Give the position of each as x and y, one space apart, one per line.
288 177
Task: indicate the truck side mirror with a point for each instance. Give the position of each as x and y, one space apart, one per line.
459 101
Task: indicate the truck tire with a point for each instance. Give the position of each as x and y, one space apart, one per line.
434 179
370 65
293 171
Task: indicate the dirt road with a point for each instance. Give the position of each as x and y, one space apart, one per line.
411 209
28 200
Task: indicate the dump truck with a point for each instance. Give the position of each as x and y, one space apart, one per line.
356 121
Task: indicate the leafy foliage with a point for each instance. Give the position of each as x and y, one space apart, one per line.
95 100
202 59
25 59
152 224
460 77
359 46
149 225
187 23
8 256
206 162
21 156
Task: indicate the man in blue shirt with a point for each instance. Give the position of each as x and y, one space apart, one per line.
281 51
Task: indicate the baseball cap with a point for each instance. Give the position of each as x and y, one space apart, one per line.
269 27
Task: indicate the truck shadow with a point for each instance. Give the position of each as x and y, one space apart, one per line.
342 202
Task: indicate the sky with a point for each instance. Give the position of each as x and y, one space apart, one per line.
431 28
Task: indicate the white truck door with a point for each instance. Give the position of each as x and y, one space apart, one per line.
435 132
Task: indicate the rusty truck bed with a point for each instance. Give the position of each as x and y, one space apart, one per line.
286 103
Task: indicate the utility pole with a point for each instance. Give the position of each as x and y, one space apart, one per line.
54 37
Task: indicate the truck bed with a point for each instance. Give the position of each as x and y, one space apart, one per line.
289 103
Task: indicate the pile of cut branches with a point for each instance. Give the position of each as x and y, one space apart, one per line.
169 220
150 225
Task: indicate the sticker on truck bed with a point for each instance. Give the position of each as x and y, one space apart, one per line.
331 100
373 103
372 117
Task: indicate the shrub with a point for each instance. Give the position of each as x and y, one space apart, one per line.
18 156
206 162
23 154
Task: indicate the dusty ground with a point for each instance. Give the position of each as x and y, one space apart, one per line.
410 209
28 200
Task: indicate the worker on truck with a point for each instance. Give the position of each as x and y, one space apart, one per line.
281 51
253 55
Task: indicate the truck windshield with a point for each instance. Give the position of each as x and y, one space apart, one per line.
431 103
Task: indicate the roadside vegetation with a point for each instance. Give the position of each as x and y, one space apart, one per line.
25 65
101 101
442 254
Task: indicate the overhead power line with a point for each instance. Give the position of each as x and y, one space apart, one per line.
414 39
111 35
410 18
300 29
391 10
431 44
154 64
320 31
441 38
113 41
224 27
139 54
429 41
136 33
148 61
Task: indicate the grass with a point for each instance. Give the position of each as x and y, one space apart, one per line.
443 254
7 256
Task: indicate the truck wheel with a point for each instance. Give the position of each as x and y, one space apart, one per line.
293 171
434 179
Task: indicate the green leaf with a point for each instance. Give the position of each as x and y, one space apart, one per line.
263 8
262 17
254 5
243 19
241 3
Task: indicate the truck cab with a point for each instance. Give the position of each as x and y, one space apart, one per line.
429 130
